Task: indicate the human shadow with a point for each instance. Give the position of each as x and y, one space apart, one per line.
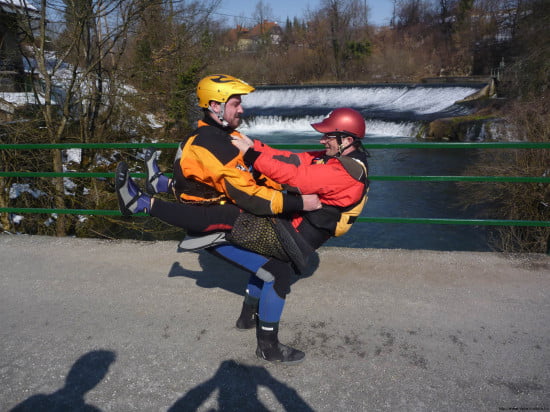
221 273
237 387
84 375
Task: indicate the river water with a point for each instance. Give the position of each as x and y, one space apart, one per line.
393 114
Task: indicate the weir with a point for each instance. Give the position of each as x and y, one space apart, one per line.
390 110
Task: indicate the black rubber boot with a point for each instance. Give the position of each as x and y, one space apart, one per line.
270 349
248 318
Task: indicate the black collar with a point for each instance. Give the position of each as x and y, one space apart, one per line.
211 122
356 154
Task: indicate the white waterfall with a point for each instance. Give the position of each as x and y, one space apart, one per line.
393 110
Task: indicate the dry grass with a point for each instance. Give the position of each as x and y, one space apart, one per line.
527 121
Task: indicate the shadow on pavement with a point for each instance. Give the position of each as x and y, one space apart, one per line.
85 374
237 386
219 273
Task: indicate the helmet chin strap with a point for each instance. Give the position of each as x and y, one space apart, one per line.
341 146
220 114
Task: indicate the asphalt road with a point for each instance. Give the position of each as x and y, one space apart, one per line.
136 326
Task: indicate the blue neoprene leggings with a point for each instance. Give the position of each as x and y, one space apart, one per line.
271 290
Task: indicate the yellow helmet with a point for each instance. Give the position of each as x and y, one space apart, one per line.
220 87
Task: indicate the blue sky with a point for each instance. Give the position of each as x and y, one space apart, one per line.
380 10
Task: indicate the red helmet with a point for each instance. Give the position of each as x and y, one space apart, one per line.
343 120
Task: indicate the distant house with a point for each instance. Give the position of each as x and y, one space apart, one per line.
12 68
245 39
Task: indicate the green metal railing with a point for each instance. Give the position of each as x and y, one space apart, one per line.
480 222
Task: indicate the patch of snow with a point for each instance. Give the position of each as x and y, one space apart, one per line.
17 219
153 121
69 186
18 188
73 155
100 160
22 4
129 89
22 98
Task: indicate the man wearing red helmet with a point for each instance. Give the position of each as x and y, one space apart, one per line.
338 175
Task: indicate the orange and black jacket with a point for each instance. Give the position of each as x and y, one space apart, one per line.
209 169
340 182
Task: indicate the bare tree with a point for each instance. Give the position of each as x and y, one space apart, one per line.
169 62
262 12
77 83
341 27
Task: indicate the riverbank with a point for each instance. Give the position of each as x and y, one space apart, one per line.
481 125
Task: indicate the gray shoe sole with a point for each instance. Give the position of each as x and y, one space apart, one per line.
150 156
193 243
125 199
261 356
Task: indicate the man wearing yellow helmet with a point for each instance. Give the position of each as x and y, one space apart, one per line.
209 169
219 88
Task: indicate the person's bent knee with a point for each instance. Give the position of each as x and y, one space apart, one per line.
280 272
282 285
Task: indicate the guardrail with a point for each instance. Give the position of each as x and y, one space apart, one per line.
481 222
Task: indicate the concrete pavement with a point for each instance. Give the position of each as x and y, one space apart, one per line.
135 326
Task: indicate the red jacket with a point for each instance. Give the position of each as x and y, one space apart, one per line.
340 182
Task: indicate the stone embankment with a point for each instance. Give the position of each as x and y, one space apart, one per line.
481 124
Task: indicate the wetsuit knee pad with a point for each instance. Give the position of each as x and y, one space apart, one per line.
265 275
279 271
